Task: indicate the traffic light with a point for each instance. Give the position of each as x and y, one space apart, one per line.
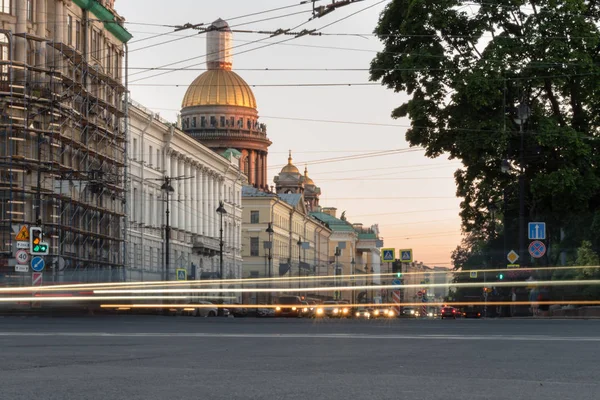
501 276
399 274
36 244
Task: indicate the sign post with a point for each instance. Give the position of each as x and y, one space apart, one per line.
36 280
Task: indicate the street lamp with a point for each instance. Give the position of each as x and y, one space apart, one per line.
221 210
270 231
353 264
299 243
167 188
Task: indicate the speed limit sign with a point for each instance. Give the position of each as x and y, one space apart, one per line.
22 257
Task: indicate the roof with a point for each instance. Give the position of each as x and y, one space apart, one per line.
219 87
335 224
366 236
251 191
291 198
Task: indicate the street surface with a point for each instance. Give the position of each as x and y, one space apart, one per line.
167 358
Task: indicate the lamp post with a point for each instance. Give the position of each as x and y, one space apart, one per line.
221 210
167 188
353 264
270 231
299 243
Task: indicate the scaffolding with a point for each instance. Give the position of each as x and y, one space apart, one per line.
63 139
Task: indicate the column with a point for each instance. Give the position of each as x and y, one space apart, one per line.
198 200
41 24
209 205
203 198
193 198
21 27
264 170
187 204
216 199
251 167
181 193
173 206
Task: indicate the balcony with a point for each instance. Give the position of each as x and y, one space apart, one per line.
205 245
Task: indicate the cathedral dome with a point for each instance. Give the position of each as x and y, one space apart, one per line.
290 168
219 87
307 180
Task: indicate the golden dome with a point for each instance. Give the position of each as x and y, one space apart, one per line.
290 168
219 87
307 180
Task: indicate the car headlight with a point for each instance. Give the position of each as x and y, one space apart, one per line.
305 309
335 310
319 311
391 314
358 314
345 311
368 314
293 308
277 308
412 311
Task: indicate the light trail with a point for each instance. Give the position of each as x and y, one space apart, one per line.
360 287
246 281
88 298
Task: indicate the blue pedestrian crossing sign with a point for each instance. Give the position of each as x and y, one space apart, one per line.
181 274
388 255
406 255
537 230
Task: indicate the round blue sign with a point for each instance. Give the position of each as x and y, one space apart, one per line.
38 264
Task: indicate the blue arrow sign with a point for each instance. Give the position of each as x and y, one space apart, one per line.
396 282
38 264
537 230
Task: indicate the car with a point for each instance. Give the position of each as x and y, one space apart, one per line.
209 310
307 310
471 313
449 312
289 306
265 312
333 309
363 313
383 313
238 311
408 312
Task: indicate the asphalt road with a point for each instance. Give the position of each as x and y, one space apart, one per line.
151 358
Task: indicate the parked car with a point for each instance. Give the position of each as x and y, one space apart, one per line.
383 313
289 306
239 312
363 313
210 310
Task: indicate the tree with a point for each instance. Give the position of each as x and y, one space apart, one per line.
467 67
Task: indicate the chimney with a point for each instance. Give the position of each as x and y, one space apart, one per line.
331 211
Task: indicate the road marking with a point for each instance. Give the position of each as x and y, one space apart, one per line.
533 338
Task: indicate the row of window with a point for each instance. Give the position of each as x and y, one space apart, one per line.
280 249
223 122
6 8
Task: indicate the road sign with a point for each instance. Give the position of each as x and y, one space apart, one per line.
22 257
396 282
21 268
473 274
406 255
22 245
23 235
388 255
181 274
537 249
512 257
537 230
337 295
513 266
38 264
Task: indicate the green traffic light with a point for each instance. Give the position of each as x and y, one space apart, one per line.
501 276
399 274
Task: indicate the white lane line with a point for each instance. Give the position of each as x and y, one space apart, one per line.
532 338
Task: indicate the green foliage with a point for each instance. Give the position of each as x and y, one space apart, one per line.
467 67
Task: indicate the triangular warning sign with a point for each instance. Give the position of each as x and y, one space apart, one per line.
23 234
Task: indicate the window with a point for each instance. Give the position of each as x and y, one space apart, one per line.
232 122
254 246
109 64
222 122
5 6
202 122
150 156
254 217
69 30
134 149
4 53
213 121
30 10
117 64
134 205
95 43
78 35
193 122
157 158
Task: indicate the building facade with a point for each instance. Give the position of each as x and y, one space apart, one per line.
220 111
63 137
171 171
296 246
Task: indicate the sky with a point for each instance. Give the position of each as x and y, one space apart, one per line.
410 196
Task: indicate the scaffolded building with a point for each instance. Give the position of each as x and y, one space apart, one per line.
63 137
